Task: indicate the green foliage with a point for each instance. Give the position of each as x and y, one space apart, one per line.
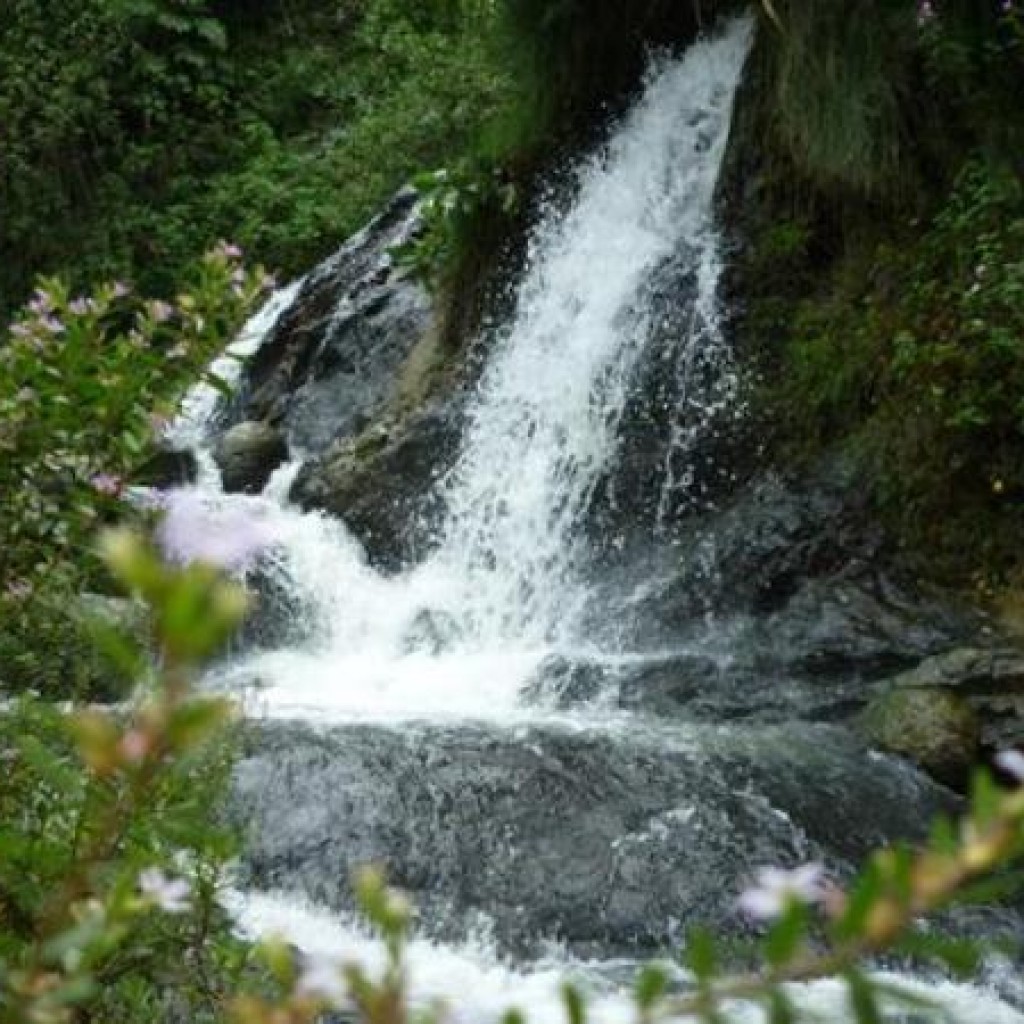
870 97
83 379
110 863
841 79
173 123
454 204
917 356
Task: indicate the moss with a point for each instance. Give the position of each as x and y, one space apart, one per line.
874 330
934 728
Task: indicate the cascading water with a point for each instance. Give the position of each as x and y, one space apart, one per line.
545 424
431 753
507 581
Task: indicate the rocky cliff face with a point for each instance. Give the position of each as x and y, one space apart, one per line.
792 568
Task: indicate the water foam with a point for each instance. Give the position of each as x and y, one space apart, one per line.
461 633
476 988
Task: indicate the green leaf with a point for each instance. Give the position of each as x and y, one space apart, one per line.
780 1010
863 1001
961 956
575 1008
651 985
786 935
701 954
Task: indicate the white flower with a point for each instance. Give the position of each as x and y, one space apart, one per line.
1011 762
777 888
169 894
321 978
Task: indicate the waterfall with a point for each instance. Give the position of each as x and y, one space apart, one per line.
507 581
544 426
401 722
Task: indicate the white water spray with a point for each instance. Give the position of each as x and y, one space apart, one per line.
459 634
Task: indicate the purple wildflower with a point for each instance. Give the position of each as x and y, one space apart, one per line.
121 290
1011 762
925 12
21 330
51 324
42 302
18 590
193 530
160 311
229 251
777 888
169 894
108 484
83 306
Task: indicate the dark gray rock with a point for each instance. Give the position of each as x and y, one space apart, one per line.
989 679
695 687
167 468
611 840
247 454
861 621
382 485
790 578
331 364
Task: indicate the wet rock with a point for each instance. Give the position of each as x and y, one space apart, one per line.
167 468
332 364
609 840
757 553
247 454
863 621
990 680
431 632
694 687
795 579
382 485
936 729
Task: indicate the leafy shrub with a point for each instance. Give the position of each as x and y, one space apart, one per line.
917 358
83 379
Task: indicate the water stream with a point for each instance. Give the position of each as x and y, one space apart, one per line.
408 720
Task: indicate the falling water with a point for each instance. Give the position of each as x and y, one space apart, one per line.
506 583
459 636
544 427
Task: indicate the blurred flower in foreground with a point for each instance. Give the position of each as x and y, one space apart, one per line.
108 484
169 894
321 978
1011 762
193 530
777 888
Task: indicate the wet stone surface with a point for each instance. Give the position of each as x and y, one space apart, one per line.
611 840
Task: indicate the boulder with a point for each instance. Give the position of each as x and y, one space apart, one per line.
989 679
935 728
331 365
609 841
382 484
247 454
167 468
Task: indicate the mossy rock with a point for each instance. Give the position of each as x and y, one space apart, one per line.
936 729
